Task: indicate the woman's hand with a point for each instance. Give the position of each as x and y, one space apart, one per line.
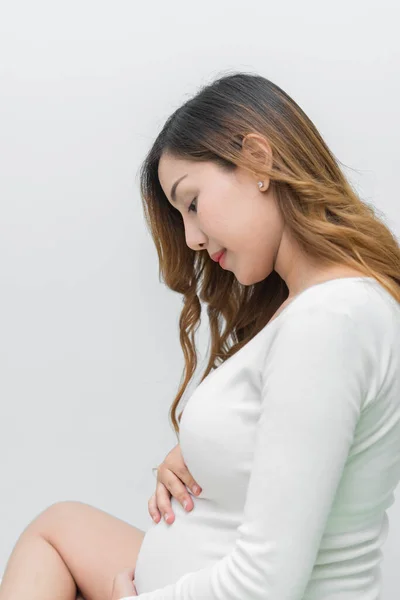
172 476
124 585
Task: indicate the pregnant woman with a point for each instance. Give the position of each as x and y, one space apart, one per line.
293 432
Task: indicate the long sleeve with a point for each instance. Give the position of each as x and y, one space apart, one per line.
314 381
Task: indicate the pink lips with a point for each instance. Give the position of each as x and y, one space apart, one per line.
221 257
218 255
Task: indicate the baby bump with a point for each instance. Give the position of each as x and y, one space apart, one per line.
196 539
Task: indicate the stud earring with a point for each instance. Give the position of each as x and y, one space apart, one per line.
260 184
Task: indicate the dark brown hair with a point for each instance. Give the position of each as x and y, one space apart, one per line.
323 212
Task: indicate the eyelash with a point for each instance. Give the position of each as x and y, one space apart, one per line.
189 209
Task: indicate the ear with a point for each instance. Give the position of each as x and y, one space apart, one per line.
258 152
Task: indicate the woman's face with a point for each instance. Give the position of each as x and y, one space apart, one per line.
229 211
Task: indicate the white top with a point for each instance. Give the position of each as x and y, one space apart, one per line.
295 441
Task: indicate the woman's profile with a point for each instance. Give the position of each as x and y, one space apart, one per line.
293 432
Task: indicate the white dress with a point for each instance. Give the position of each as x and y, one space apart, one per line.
295 441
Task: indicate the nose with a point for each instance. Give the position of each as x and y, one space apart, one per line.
195 239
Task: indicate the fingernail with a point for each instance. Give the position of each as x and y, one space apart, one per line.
196 489
185 504
166 516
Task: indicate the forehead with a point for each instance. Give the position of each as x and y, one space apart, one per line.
170 167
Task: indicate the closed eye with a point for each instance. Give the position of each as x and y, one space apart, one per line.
192 205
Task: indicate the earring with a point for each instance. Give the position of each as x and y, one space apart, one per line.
260 184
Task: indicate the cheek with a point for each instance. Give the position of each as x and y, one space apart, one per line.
215 224
256 248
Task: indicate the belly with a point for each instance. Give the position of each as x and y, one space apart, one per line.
196 539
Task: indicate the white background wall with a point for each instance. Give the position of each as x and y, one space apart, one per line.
89 351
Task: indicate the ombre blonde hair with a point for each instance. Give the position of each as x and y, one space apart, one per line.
323 213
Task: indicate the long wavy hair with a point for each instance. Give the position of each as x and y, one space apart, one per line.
322 211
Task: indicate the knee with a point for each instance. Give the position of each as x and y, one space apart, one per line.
48 519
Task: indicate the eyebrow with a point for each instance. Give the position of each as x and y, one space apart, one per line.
173 189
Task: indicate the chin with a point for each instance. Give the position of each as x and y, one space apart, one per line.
252 278
248 280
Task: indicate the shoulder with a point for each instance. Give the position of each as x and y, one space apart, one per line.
356 322
364 302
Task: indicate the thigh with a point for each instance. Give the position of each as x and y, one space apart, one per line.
94 545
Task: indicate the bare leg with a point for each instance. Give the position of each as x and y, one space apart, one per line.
71 550
78 596
35 569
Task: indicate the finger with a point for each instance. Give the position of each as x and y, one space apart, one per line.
153 510
163 500
182 472
176 488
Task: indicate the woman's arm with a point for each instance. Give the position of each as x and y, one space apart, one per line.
314 382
